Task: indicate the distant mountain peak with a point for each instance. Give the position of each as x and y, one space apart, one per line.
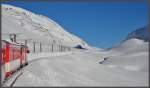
135 38
141 33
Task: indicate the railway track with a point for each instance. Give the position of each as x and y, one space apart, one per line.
9 82
15 79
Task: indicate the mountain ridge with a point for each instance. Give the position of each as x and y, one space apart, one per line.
141 33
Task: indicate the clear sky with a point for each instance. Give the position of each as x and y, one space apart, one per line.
100 24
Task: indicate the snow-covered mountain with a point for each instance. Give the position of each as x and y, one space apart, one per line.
135 41
39 28
141 33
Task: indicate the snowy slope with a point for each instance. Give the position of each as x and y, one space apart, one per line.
131 54
131 46
136 41
28 25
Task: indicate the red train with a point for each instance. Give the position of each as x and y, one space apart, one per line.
14 57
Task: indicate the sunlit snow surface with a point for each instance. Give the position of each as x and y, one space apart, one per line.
83 69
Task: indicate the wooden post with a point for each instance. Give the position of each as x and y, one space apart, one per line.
40 47
26 42
52 47
61 48
64 48
57 48
34 47
69 48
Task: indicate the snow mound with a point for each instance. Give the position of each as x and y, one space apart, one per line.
131 46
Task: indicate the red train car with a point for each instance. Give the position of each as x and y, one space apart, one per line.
14 57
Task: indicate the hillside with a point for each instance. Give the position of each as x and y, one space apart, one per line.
136 41
39 28
131 54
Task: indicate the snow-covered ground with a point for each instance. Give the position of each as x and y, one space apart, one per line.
83 69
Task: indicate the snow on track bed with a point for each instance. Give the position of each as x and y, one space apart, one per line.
78 69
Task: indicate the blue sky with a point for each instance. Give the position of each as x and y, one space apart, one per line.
100 24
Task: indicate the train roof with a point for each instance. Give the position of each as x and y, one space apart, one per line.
10 42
